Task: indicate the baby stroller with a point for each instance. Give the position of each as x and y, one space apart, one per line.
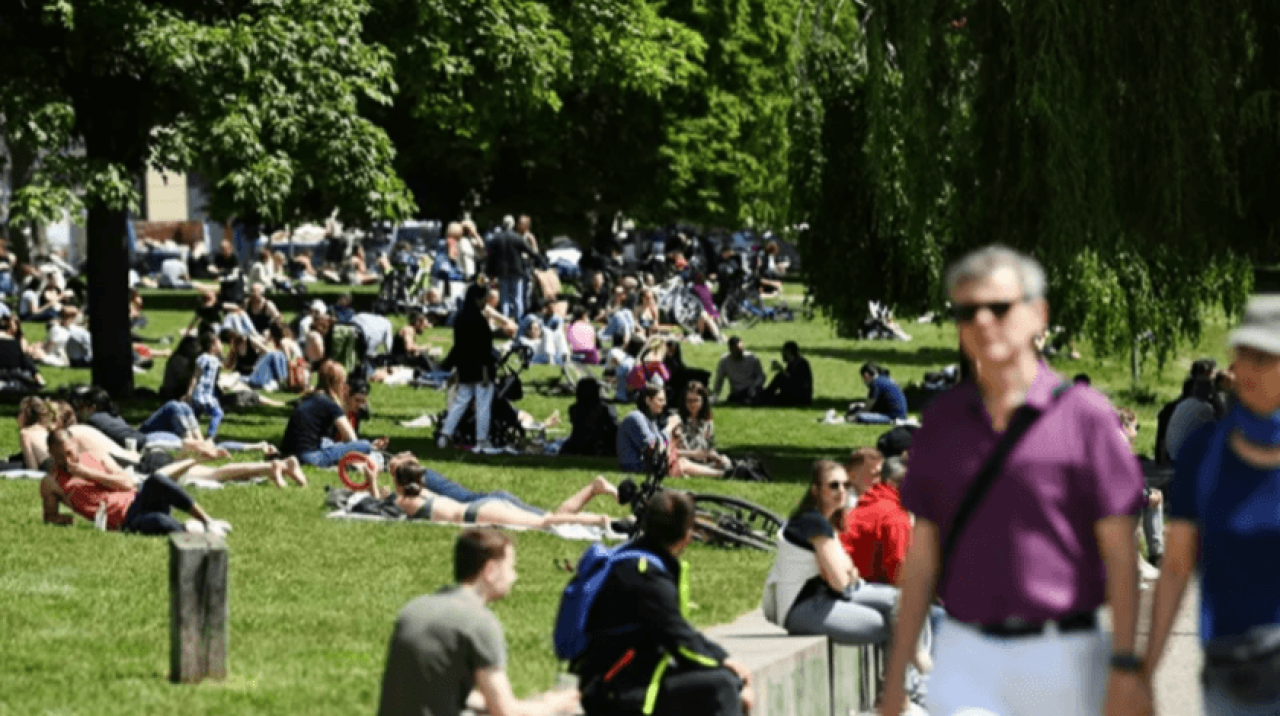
505 429
396 293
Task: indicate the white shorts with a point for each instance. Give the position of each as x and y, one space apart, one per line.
1047 675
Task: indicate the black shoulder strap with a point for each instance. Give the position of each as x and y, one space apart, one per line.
1023 418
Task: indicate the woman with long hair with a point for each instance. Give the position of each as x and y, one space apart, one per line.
318 415
693 439
414 495
473 360
641 433
813 588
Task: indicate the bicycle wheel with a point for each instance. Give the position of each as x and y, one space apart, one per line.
735 522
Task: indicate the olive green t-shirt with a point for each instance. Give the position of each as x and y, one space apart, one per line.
439 642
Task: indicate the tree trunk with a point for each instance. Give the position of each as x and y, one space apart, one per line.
108 280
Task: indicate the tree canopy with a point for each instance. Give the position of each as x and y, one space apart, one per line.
261 96
1120 144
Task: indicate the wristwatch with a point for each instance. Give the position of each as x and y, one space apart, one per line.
1129 662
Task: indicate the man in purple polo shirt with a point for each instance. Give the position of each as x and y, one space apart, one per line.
1049 543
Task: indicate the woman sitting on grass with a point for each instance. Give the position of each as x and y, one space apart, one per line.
423 495
595 423
694 438
320 414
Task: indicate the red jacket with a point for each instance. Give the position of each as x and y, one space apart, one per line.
877 533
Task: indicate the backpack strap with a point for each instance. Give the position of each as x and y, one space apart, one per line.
1021 422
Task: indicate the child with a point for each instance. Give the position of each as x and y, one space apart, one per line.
205 381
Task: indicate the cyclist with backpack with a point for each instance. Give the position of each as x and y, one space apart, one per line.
621 633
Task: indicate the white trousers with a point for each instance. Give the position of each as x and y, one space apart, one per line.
1048 675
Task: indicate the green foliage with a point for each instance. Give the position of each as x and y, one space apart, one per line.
579 110
262 97
1120 144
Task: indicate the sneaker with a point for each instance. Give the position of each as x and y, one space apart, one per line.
1146 571
442 442
484 446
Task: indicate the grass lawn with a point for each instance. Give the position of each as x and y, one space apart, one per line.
85 614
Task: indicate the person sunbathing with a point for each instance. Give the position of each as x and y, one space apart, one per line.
101 492
423 494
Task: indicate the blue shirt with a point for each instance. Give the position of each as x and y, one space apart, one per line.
207 367
885 397
1239 533
635 435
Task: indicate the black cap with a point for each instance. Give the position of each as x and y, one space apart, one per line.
895 441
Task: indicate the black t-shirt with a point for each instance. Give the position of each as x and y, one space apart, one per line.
799 531
226 264
805 526
116 428
12 358
312 420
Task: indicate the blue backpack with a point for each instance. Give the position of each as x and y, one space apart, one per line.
593 569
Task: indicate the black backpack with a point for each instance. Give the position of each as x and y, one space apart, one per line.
748 468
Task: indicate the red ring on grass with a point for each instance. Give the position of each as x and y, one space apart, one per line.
350 458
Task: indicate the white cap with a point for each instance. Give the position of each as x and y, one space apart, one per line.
317 306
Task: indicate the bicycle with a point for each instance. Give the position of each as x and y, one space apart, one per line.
718 519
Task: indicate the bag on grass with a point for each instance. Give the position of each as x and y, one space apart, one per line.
593 569
749 469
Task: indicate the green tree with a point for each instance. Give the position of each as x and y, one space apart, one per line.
577 110
261 96
1120 144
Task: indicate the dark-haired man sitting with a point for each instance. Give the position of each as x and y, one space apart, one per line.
793 382
446 643
637 627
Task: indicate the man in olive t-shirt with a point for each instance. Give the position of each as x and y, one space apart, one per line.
447 643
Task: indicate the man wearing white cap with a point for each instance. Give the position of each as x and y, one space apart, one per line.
317 309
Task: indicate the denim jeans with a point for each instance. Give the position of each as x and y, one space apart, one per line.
483 395
441 485
173 417
866 418
1153 530
511 295
329 455
149 512
271 368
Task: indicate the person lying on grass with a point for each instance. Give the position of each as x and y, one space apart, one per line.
90 486
422 494
172 428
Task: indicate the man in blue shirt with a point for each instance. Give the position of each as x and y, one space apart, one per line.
885 401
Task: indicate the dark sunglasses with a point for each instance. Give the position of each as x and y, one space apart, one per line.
838 485
965 312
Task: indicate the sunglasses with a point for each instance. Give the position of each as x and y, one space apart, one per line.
966 312
837 485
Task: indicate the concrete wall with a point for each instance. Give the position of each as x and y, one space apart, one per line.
166 197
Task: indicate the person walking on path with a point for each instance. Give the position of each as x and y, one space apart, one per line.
1049 542
1224 510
